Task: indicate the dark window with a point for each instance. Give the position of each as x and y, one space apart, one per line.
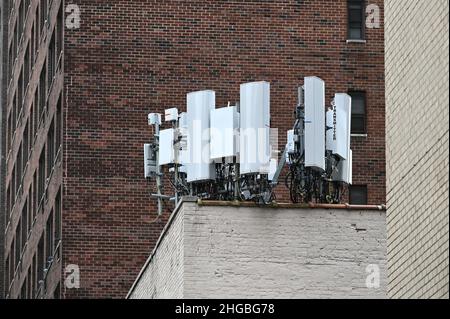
8 204
40 260
35 195
14 112
17 246
58 209
57 292
356 19
33 277
29 284
49 240
43 9
58 134
42 90
32 45
42 178
50 149
358 112
24 222
12 270
51 61
36 113
19 167
59 33
10 131
26 146
358 195
20 96
26 68
21 18
7 274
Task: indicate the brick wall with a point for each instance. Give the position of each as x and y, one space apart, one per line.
3 80
130 58
230 252
417 148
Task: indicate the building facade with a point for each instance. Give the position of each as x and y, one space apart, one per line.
81 78
212 251
417 116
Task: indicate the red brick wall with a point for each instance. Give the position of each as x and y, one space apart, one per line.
130 58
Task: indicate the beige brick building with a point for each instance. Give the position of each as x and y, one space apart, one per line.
417 107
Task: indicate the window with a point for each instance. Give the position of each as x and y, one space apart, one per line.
12 270
20 96
21 19
14 114
29 285
40 260
43 9
33 44
33 277
36 113
58 133
24 223
50 149
42 90
59 33
26 145
35 196
10 131
358 112
19 167
51 61
26 68
42 177
356 19
358 195
7 274
8 205
58 209
17 246
49 237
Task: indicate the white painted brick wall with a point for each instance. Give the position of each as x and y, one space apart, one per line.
234 252
417 106
162 276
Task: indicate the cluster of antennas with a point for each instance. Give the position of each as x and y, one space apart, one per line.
230 153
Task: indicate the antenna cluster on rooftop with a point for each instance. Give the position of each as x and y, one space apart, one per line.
229 153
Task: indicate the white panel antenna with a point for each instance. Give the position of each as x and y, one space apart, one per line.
255 128
166 149
224 133
339 118
199 106
315 123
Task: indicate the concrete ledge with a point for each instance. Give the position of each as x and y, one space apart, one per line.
213 250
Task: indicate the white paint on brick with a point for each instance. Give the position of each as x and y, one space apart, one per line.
231 252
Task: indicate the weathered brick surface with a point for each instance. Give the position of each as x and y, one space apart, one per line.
3 82
230 252
130 58
417 91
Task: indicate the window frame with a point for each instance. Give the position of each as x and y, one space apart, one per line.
363 94
363 17
366 194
